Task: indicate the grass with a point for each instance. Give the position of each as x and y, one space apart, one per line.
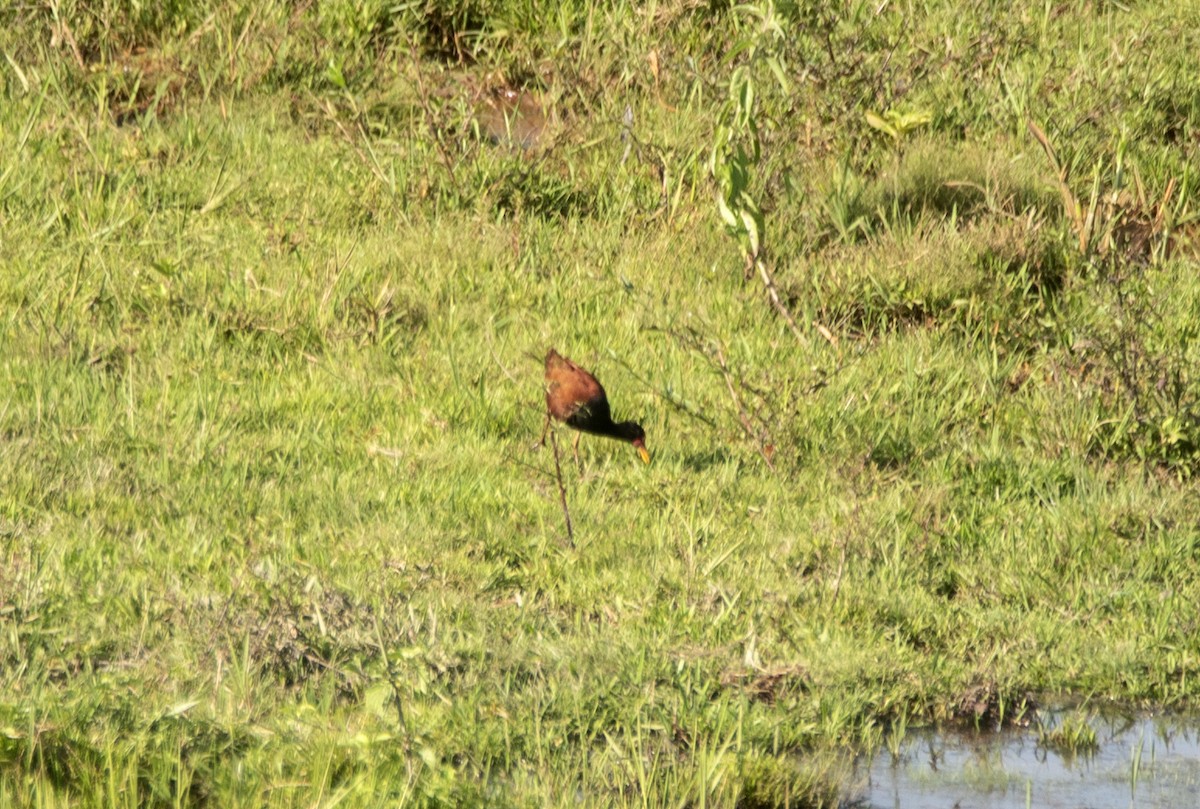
1070 737
272 529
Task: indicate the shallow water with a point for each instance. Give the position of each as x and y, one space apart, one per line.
1141 763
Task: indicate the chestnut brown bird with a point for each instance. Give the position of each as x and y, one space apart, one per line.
576 398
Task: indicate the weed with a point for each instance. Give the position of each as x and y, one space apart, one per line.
1072 736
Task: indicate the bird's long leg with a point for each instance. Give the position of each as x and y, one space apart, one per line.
545 429
562 492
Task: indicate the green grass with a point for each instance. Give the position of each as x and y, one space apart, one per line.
272 528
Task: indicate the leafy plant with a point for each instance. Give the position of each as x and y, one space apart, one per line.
737 146
898 125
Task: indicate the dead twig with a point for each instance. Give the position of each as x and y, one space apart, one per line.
532 467
753 262
715 356
751 433
826 333
65 31
677 403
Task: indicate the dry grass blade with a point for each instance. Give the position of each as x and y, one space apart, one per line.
1160 215
1070 204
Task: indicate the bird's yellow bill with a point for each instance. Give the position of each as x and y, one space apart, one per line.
644 453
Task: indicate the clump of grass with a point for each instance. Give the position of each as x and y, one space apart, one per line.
771 782
958 183
1072 736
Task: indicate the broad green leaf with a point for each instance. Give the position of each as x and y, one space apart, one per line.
883 126
751 224
726 213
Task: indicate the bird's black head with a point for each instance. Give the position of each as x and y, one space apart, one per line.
632 432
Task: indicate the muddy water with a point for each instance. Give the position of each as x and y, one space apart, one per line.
1141 763
513 118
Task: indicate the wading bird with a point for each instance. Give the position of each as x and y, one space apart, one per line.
576 398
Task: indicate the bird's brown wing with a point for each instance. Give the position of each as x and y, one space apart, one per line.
570 389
